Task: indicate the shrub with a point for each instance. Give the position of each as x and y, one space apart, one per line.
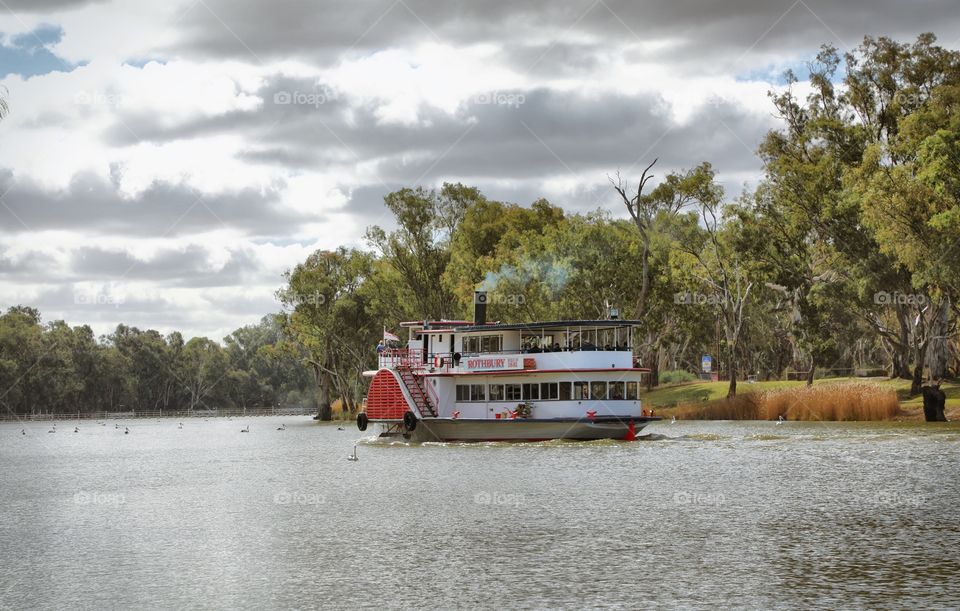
675 377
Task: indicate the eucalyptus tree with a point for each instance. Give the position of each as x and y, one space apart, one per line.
714 266
906 97
327 319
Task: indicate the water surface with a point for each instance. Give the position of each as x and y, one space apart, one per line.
700 514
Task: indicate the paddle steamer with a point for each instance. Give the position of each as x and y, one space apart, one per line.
480 381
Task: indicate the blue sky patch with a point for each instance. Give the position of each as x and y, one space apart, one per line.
143 61
29 54
774 73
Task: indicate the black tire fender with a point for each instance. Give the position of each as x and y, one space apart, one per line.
409 421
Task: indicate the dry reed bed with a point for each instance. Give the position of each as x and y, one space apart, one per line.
841 402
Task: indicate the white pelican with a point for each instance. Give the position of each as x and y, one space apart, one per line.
245 430
353 457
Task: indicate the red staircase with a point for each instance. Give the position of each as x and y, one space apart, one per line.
417 393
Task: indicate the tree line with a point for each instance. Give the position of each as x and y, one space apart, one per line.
57 369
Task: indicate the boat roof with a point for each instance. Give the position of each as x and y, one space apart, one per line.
470 327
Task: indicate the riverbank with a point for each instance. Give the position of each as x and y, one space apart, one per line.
708 399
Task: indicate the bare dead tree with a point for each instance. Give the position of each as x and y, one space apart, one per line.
642 214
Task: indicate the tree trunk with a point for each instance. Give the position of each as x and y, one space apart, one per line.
732 370
901 348
938 349
732 389
653 379
812 372
917 384
324 412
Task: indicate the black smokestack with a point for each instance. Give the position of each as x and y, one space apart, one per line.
480 307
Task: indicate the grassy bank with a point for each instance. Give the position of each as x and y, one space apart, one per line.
831 399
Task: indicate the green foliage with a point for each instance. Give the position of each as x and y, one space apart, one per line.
55 368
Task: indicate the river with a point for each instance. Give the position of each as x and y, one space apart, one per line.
698 515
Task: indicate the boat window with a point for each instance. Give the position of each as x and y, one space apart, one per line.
548 391
632 391
615 392
513 392
531 392
598 391
564 394
476 344
534 343
496 392
478 392
581 391
463 392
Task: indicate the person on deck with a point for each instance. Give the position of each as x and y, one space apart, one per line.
381 347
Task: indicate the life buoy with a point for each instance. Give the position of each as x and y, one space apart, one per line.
409 421
438 362
362 421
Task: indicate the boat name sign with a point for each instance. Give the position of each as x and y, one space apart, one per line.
495 363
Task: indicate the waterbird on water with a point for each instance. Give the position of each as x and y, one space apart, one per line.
180 426
245 430
353 457
779 420
23 431
339 428
76 429
282 427
126 430
674 421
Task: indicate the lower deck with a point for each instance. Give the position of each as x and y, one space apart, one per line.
456 429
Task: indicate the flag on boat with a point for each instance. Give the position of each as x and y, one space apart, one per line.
390 337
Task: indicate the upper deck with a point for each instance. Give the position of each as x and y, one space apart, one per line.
462 348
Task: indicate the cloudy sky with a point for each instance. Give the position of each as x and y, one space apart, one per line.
163 163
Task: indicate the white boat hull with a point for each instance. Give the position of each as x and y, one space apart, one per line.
464 429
